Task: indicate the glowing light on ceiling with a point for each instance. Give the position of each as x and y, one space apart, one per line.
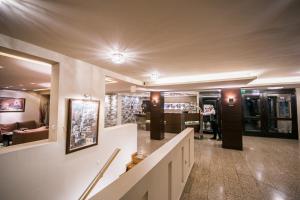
41 67
46 85
117 53
25 59
118 58
277 80
154 76
216 77
274 88
109 80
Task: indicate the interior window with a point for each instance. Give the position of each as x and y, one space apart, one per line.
25 86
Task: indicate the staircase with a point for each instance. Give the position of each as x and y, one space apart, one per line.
135 159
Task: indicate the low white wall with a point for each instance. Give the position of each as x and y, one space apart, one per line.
45 172
162 175
32 105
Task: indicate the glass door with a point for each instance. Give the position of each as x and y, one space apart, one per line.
279 110
252 114
270 113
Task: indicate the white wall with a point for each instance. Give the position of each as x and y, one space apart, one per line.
32 105
152 179
46 172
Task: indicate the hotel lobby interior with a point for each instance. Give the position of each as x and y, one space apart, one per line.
150 100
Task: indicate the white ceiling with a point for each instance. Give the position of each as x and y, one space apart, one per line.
175 38
16 74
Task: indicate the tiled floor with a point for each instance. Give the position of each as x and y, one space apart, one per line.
267 168
146 146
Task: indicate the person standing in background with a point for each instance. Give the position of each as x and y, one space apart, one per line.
214 123
200 123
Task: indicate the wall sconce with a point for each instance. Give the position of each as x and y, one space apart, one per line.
231 101
155 101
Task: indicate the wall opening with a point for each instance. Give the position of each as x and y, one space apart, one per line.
27 97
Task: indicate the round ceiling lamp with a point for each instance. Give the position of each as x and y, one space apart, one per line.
118 58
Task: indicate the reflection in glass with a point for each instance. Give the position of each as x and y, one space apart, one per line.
280 126
252 125
279 106
252 106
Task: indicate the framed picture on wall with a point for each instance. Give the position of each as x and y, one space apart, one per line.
83 122
11 104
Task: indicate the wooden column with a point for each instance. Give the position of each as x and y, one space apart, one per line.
231 119
157 128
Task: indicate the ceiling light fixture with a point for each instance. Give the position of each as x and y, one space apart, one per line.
118 57
154 76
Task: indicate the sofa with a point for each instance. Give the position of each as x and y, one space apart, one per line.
30 135
23 132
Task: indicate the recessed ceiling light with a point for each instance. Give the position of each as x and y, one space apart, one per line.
1 67
118 57
154 76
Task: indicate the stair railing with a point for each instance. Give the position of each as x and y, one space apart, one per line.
99 175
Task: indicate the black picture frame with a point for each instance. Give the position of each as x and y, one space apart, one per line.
83 123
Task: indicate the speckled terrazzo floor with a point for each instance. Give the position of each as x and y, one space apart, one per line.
268 168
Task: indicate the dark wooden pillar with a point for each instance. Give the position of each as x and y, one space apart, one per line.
231 119
157 128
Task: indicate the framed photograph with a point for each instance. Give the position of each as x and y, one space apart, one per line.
83 121
10 104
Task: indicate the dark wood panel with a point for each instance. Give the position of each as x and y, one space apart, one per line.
231 119
157 127
174 122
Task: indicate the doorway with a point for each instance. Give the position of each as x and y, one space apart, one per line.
209 99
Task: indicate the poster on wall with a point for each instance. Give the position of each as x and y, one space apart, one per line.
10 104
83 121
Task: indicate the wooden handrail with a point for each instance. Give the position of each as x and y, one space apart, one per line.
99 175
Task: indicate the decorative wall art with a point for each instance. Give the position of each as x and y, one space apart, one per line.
111 114
130 106
83 121
9 104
